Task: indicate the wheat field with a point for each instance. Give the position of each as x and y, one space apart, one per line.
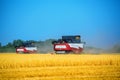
59 66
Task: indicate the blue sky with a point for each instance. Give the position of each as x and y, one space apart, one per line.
97 21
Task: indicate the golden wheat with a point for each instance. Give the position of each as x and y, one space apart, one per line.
57 67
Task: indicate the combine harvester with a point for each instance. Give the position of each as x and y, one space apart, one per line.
27 47
68 44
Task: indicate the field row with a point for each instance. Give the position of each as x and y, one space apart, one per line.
69 72
45 60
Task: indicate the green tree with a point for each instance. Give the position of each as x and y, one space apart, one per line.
0 45
17 43
9 45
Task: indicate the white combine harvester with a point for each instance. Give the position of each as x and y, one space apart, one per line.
27 47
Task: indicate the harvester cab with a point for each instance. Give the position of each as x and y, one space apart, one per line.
26 47
68 44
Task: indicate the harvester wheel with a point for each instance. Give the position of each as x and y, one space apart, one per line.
20 52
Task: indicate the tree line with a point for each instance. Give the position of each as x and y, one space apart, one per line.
46 46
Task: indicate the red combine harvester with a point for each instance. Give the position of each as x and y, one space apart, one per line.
27 47
68 44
